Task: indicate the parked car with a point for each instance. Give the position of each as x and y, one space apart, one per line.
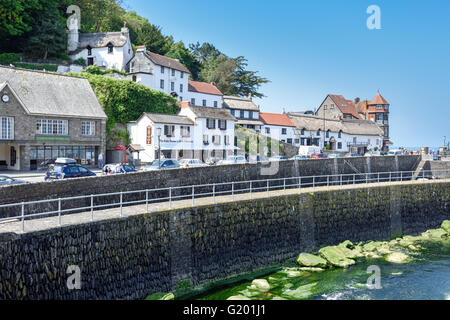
278 158
6 181
300 157
334 155
233 160
308 150
165 164
65 168
258 158
348 155
212 161
319 156
192 163
436 157
118 168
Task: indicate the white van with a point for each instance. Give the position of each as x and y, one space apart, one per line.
308 150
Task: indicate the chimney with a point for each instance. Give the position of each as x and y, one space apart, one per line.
250 96
125 30
213 83
185 104
357 100
73 37
141 49
284 111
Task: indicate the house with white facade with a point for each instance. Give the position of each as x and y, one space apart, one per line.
342 135
159 73
204 94
280 127
172 134
245 111
108 50
213 131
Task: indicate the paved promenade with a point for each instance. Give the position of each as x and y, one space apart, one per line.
33 225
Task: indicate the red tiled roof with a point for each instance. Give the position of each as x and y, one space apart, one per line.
378 100
361 107
276 119
203 87
346 106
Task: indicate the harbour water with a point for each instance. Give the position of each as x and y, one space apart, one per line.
426 278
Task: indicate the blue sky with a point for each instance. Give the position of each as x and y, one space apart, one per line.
308 49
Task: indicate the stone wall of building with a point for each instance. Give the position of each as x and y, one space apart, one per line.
133 257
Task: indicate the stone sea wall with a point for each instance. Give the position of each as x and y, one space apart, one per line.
133 257
192 176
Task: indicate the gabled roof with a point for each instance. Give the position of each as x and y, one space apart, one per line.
361 106
356 127
276 119
166 62
52 94
346 106
238 103
203 87
212 113
378 99
102 39
167 118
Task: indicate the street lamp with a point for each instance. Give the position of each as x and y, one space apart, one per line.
158 133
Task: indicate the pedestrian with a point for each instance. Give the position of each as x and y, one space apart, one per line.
100 160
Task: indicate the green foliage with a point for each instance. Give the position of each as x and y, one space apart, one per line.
80 61
30 66
119 137
124 101
9 58
180 52
94 69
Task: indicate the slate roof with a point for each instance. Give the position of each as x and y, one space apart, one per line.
357 127
238 103
212 113
53 94
249 122
166 62
203 87
168 118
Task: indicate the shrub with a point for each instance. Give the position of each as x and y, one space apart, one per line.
9 58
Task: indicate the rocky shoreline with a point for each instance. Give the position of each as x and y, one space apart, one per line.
402 249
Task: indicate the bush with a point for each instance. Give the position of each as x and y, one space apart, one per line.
94 69
9 58
80 62
124 100
46 67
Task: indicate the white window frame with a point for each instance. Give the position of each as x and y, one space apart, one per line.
6 128
88 128
52 127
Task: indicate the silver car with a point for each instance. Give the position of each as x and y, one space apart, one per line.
191 163
233 160
165 164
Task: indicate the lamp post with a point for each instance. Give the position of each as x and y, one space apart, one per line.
158 133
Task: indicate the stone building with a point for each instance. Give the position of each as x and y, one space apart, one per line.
47 115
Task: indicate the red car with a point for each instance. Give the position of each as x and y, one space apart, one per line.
319 156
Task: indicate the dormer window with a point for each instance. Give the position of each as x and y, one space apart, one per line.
110 47
89 49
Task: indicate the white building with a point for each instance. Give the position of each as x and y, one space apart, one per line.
213 132
278 126
109 50
176 134
342 135
204 94
159 73
245 111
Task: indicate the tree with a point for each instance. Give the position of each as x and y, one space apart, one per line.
179 51
48 38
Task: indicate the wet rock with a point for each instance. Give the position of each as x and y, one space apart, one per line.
398 257
310 260
260 285
446 226
336 256
238 297
302 292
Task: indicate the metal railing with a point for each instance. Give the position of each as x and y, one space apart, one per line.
90 203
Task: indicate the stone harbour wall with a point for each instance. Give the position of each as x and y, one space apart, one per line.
133 257
192 176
